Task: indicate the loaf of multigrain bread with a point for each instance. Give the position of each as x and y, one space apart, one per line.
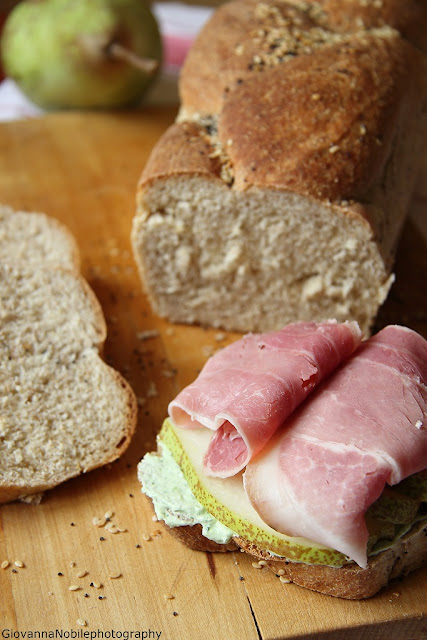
63 411
280 191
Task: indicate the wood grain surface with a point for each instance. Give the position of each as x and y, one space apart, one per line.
83 170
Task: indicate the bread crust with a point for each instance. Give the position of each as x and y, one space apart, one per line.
224 51
349 582
184 149
325 129
317 107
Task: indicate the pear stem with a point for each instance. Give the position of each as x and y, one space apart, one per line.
119 52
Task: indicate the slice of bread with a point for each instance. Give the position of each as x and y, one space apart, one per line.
63 410
349 581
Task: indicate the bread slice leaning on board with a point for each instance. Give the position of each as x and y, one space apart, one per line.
63 411
280 191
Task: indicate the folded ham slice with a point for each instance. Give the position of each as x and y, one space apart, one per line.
364 427
247 390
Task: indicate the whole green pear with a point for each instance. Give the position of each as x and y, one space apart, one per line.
82 53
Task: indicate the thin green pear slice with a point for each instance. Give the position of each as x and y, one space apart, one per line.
227 501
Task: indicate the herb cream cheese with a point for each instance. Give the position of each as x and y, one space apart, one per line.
164 483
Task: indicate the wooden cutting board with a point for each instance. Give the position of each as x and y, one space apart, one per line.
83 169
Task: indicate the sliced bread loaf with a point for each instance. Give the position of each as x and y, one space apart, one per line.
280 192
63 410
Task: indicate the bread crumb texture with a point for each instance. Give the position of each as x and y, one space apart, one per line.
257 259
63 410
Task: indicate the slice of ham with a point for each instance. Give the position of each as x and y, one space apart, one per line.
364 427
247 390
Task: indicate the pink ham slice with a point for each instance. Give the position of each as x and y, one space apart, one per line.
364 427
247 390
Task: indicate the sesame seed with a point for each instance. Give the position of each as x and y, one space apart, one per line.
256 565
281 572
113 529
315 96
263 563
108 514
81 574
115 575
19 563
146 537
5 564
97 585
333 148
81 622
98 522
121 529
73 587
284 580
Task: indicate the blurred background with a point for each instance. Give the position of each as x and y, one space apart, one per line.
178 22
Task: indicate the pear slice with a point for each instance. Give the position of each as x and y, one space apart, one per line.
227 501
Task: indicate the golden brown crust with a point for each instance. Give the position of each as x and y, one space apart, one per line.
183 149
315 114
324 127
408 17
227 48
350 581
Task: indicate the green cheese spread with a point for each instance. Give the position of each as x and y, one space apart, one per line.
163 482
